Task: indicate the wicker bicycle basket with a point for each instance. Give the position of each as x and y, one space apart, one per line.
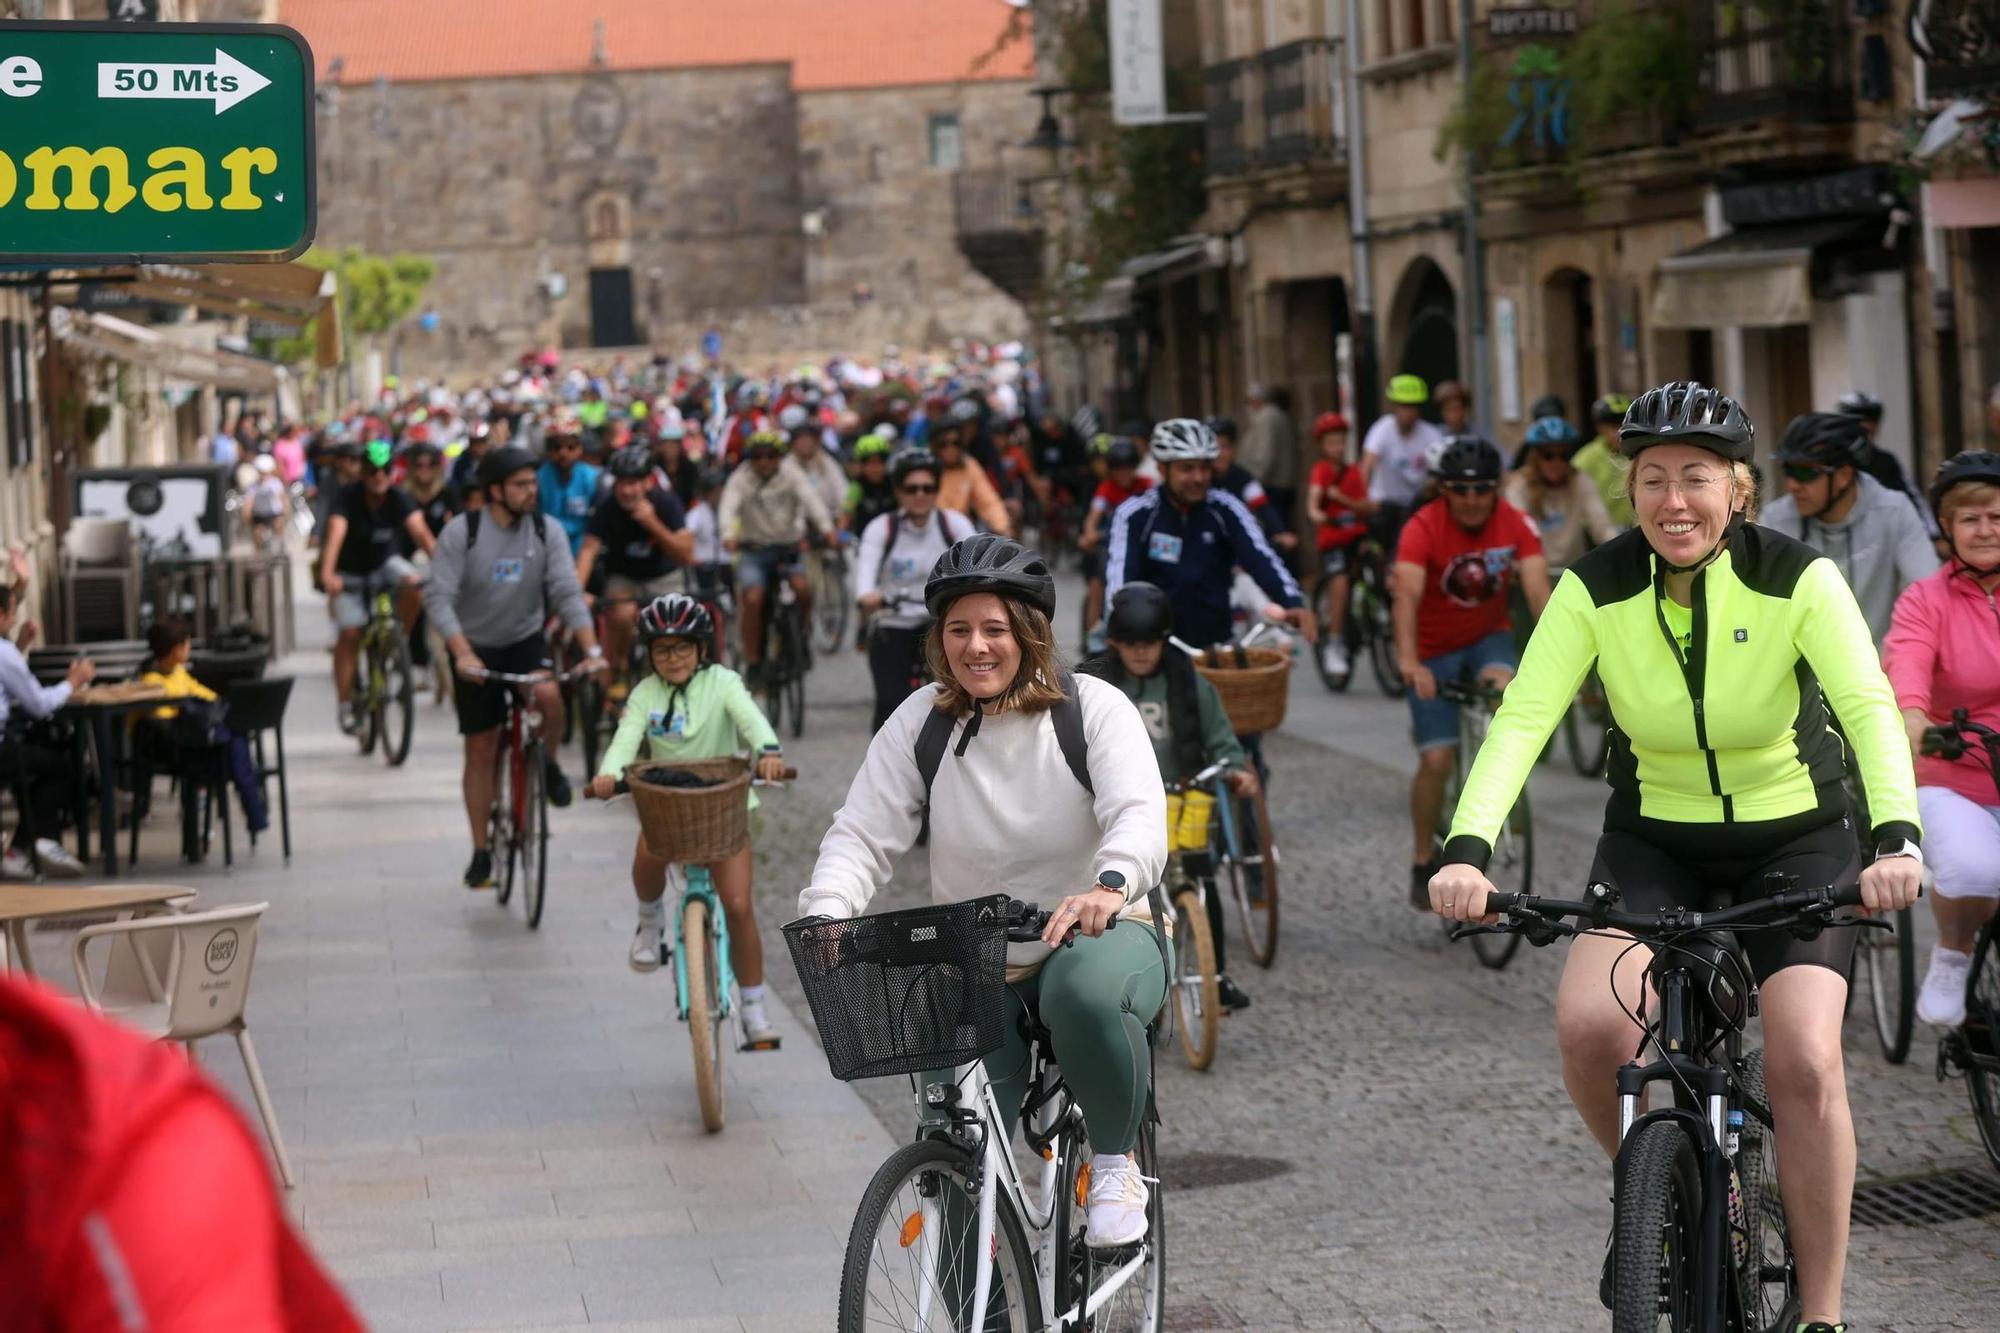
693 825
1254 693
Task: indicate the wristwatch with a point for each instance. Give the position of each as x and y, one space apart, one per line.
1112 880
1898 847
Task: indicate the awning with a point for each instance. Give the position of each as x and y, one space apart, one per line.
139 345
1158 267
288 295
1758 278
1110 303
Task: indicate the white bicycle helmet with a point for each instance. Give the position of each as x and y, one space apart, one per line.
1184 440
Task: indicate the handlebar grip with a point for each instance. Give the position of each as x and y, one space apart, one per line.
789 775
1500 902
1847 895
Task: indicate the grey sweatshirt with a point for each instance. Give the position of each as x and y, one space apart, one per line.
499 592
1880 548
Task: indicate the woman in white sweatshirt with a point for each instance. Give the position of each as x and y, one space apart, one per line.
1008 814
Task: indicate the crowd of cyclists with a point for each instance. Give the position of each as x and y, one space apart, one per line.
1740 632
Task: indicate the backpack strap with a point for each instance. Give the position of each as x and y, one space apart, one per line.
1068 718
931 741
472 517
889 549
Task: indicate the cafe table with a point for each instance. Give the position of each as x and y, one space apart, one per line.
23 903
102 707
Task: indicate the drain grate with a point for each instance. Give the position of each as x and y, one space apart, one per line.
1201 1170
1922 1201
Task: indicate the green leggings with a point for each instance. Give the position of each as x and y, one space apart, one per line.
1095 997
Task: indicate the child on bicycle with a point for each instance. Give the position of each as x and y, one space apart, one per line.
1183 715
1337 500
1121 481
692 707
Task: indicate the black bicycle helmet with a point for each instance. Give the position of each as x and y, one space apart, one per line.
1467 458
1828 439
1139 613
963 411
989 562
1972 465
914 459
1122 453
1548 405
502 463
631 463
1684 412
422 449
675 616
1223 426
1859 404
713 478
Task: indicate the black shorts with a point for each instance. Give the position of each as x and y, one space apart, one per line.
1093 563
482 704
1717 866
1335 561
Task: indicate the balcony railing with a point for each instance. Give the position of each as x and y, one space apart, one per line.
1960 45
1797 63
1000 228
1303 114
1280 108
1225 92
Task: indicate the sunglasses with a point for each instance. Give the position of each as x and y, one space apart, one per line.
1471 487
917 490
1804 473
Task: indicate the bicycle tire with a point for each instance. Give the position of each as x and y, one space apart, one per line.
830 606
1197 1004
500 841
902 1187
795 701
1369 607
1336 681
1656 1219
704 1015
1139 1306
534 836
398 700
366 709
589 704
1587 733
1890 961
1979 1037
1256 894
1765 1285
1512 870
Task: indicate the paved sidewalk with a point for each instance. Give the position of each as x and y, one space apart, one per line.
496 1127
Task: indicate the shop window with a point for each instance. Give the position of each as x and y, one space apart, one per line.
946 147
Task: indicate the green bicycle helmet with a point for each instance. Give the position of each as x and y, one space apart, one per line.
378 455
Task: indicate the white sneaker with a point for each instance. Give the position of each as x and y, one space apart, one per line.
758 1033
649 948
57 860
1118 1199
1942 1000
1333 657
15 865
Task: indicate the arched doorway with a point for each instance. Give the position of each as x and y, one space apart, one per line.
1569 341
1425 326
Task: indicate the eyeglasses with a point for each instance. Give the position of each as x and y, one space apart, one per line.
1694 486
678 648
917 490
1806 473
1471 487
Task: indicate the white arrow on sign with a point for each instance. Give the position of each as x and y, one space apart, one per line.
228 81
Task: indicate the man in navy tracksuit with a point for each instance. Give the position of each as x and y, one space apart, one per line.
1187 538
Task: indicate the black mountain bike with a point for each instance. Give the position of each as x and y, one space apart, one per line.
1513 859
1973 1047
1699 1242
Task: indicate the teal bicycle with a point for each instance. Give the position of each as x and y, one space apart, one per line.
704 980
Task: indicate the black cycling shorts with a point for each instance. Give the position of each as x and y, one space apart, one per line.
482 704
1092 562
1715 866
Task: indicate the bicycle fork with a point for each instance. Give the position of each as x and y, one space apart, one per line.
698 884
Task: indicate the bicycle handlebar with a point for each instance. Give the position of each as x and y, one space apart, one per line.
1799 905
545 675
1213 771
1474 694
624 788
1026 922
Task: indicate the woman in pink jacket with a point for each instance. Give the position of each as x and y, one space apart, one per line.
1942 653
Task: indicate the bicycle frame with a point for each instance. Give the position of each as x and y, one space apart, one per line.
696 883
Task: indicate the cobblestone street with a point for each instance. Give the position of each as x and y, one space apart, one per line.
496 1128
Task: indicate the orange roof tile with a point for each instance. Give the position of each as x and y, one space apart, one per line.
830 43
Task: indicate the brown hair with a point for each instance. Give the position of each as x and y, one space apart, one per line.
1037 686
1961 495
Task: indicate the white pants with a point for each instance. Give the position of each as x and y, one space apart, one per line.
1961 843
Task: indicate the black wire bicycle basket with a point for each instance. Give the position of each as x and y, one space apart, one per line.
906 992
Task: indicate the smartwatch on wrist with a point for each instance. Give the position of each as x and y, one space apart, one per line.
1112 880
593 651
1889 847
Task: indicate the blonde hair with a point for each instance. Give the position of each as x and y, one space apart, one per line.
1964 494
1036 687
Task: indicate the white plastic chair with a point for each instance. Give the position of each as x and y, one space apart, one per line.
204 991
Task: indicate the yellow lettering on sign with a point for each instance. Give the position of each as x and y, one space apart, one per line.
81 166
242 164
180 177
8 180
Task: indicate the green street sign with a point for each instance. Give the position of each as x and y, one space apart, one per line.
183 141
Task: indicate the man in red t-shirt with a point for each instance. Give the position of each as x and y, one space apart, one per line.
1337 500
1121 482
1455 562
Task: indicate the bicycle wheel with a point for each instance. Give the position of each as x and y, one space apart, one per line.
534 835
1765 1283
911 1251
1586 729
1251 867
704 1016
1656 1231
397 702
1197 1007
830 606
1980 1038
1888 961
1138 1305
500 833
588 722
367 711
1369 607
795 691
1512 870
1336 681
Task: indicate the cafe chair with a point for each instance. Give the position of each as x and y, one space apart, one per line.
203 993
257 707
200 774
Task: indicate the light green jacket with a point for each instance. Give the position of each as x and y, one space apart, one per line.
710 717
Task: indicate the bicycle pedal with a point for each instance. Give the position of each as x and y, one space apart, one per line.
771 1045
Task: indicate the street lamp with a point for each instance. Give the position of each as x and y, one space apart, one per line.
1048 135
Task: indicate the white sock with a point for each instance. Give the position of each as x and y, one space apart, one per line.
1939 954
653 913
752 996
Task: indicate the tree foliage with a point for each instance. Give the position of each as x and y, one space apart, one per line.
377 292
